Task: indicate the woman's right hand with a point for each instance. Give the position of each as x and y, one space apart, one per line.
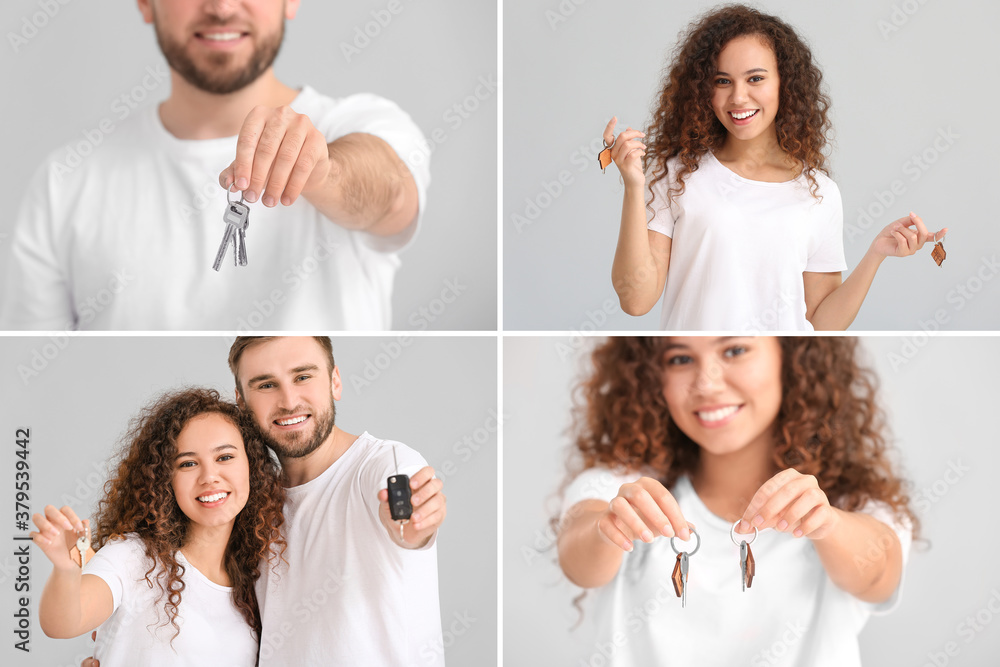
57 534
627 153
642 509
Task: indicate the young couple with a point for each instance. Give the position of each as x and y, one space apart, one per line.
211 554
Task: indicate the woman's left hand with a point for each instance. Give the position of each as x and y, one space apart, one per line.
791 502
904 237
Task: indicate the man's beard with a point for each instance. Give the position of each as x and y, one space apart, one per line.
217 77
294 447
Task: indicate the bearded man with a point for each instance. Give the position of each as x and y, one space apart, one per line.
123 237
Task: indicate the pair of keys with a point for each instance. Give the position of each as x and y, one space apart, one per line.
680 575
237 219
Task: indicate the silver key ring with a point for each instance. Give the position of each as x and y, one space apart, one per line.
230 200
732 533
689 553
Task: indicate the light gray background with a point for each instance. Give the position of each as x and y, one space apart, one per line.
890 96
939 396
430 393
427 59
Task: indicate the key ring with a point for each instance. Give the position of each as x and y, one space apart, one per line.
689 553
230 200
732 534
604 157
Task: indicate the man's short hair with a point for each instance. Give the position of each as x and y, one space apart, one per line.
241 344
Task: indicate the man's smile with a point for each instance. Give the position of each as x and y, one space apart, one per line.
292 422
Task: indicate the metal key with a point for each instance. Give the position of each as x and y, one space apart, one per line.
83 544
684 579
237 219
680 574
748 567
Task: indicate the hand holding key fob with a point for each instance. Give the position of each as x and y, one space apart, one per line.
400 507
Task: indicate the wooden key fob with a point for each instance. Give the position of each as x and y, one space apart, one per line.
604 158
679 577
938 254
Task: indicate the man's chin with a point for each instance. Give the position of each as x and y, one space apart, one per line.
292 445
231 80
221 72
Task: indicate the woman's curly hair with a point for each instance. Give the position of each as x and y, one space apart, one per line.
828 425
140 499
684 123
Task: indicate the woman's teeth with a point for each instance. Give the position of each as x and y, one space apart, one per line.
743 115
213 498
718 415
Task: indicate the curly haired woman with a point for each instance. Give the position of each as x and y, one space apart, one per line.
183 529
776 441
744 213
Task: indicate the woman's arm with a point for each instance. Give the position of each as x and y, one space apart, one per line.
586 558
861 554
642 256
832 305
595 534
71 603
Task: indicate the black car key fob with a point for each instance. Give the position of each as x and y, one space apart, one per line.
399 497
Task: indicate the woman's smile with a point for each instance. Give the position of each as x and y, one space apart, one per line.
716 416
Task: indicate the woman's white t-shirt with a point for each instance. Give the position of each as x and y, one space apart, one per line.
739 248
792 615
212 631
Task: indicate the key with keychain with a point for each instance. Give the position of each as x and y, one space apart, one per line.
679 577
82 545
680 574
398 486
237 219
938 254
748 568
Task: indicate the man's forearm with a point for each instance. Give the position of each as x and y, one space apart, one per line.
369 188
841 306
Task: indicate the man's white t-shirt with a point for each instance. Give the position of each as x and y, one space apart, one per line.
125 237
349 594
739 248
792 615
212 630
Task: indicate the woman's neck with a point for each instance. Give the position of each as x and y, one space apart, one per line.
726 483
205 549
760 158
762 148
